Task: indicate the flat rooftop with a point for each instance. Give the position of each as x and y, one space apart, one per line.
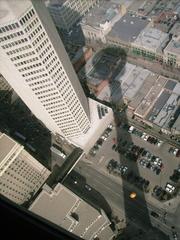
152 95
128 27
105 12
174 46
167 111
12 9
65 209
55 3
126 84
7 145
175 30
151 39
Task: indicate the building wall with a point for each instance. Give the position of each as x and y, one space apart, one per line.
41 72
70 12
21 175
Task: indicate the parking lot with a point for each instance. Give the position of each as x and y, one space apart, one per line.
155 163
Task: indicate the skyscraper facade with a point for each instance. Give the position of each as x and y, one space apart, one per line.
35 63
21 175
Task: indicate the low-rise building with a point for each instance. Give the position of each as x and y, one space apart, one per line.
172 52
65 13
99 21
126 30
150 44
21 175
66 209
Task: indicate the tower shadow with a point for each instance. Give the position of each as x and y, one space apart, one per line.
136 210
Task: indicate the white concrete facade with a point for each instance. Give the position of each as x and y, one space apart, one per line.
35 63
21 175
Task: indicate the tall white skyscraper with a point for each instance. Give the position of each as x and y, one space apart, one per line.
34 62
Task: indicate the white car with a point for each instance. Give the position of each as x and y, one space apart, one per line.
145 138
110 126
159 143
170 188
175 151
104 138
131 129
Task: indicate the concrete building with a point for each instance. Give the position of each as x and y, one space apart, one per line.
172 52
41 72
66 13
21 175
99 21
150 43
65 209
35 63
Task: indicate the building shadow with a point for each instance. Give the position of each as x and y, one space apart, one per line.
136 210
17 121
77 183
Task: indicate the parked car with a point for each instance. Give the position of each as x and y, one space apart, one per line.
154 214
88 187
170 188
130 130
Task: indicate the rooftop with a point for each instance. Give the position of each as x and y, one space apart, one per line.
128 27
7 146
102 14
173 46
12 9
64 208
151 39
151 97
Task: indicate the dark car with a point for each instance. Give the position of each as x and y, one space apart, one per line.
158 170
154 214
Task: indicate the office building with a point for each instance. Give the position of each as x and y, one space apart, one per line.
21 175
35 63
66 13
66 209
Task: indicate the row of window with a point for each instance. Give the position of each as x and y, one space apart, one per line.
10 36
42 86
36 77
45 91
48 95
23 56
33 72
9 27
23 40
29 67
40 82
51 99
27 61
19 49
27 17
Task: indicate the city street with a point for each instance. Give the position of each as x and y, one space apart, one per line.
113 193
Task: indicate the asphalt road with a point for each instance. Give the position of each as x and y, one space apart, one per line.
113 193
